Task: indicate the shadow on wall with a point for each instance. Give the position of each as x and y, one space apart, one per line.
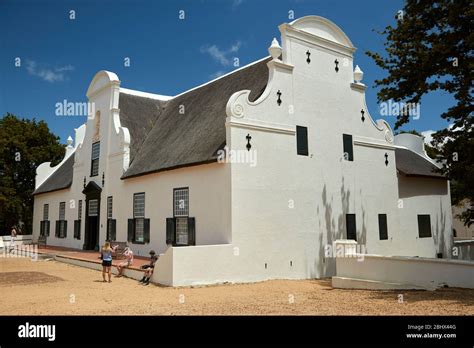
443 239
326 266
410 187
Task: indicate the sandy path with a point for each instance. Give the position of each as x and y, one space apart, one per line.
52 286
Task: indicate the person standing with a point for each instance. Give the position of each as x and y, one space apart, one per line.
13 237
106 256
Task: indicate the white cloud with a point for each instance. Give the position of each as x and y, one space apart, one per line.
216 74
428 136
237 3
221 56
47 74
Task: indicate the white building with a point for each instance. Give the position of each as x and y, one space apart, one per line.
145 168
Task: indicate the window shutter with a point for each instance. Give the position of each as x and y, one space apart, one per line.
65 228
113 229
351 226
348 147
383 231
191 231
146 230
424 226
170 231
47 228
302 141
56 233
41 228
77 229
130 231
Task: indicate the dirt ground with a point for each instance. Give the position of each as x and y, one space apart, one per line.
51 287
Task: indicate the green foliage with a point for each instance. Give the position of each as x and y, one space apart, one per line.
24 145
430 48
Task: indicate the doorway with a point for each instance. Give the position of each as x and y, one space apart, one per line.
92 225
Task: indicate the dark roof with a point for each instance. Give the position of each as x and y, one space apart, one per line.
177 140
139 115
410 163
60 179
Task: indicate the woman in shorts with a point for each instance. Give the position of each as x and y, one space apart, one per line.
106 256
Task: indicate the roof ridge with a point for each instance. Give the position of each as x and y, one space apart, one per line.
222 76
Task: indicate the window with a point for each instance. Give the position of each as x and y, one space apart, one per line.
44 224
302 140
139 215
61 223
77 223
139 226
46 212
351 226
111 223
109 207
79 210
62 210
93 207
181 202
383 231
348 147
139 205
424 226
180 229
95 159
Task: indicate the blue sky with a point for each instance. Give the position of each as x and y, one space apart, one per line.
168 55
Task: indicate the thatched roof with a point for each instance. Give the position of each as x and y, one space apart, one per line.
193 137
60 179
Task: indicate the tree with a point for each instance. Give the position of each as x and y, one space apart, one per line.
431 48
24 144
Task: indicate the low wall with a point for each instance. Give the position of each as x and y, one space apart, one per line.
464 249
196 265
130 273
420 272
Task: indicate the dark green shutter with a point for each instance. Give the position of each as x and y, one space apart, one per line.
383 231
65 228
146 230
191 231
131 230
113 229
170 231
351 226
348 147
41 228
47 228
302 140
77 229
424 226
56 233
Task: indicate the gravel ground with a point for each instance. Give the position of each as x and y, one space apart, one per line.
54 288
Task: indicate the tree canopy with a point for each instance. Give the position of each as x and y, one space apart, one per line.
430 48
24 145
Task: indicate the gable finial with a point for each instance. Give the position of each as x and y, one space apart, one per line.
275 49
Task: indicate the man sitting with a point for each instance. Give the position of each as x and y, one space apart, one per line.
149 268
128 253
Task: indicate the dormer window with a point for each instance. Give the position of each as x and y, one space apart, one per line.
95 159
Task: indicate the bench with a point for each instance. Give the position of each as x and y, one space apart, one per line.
118 253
